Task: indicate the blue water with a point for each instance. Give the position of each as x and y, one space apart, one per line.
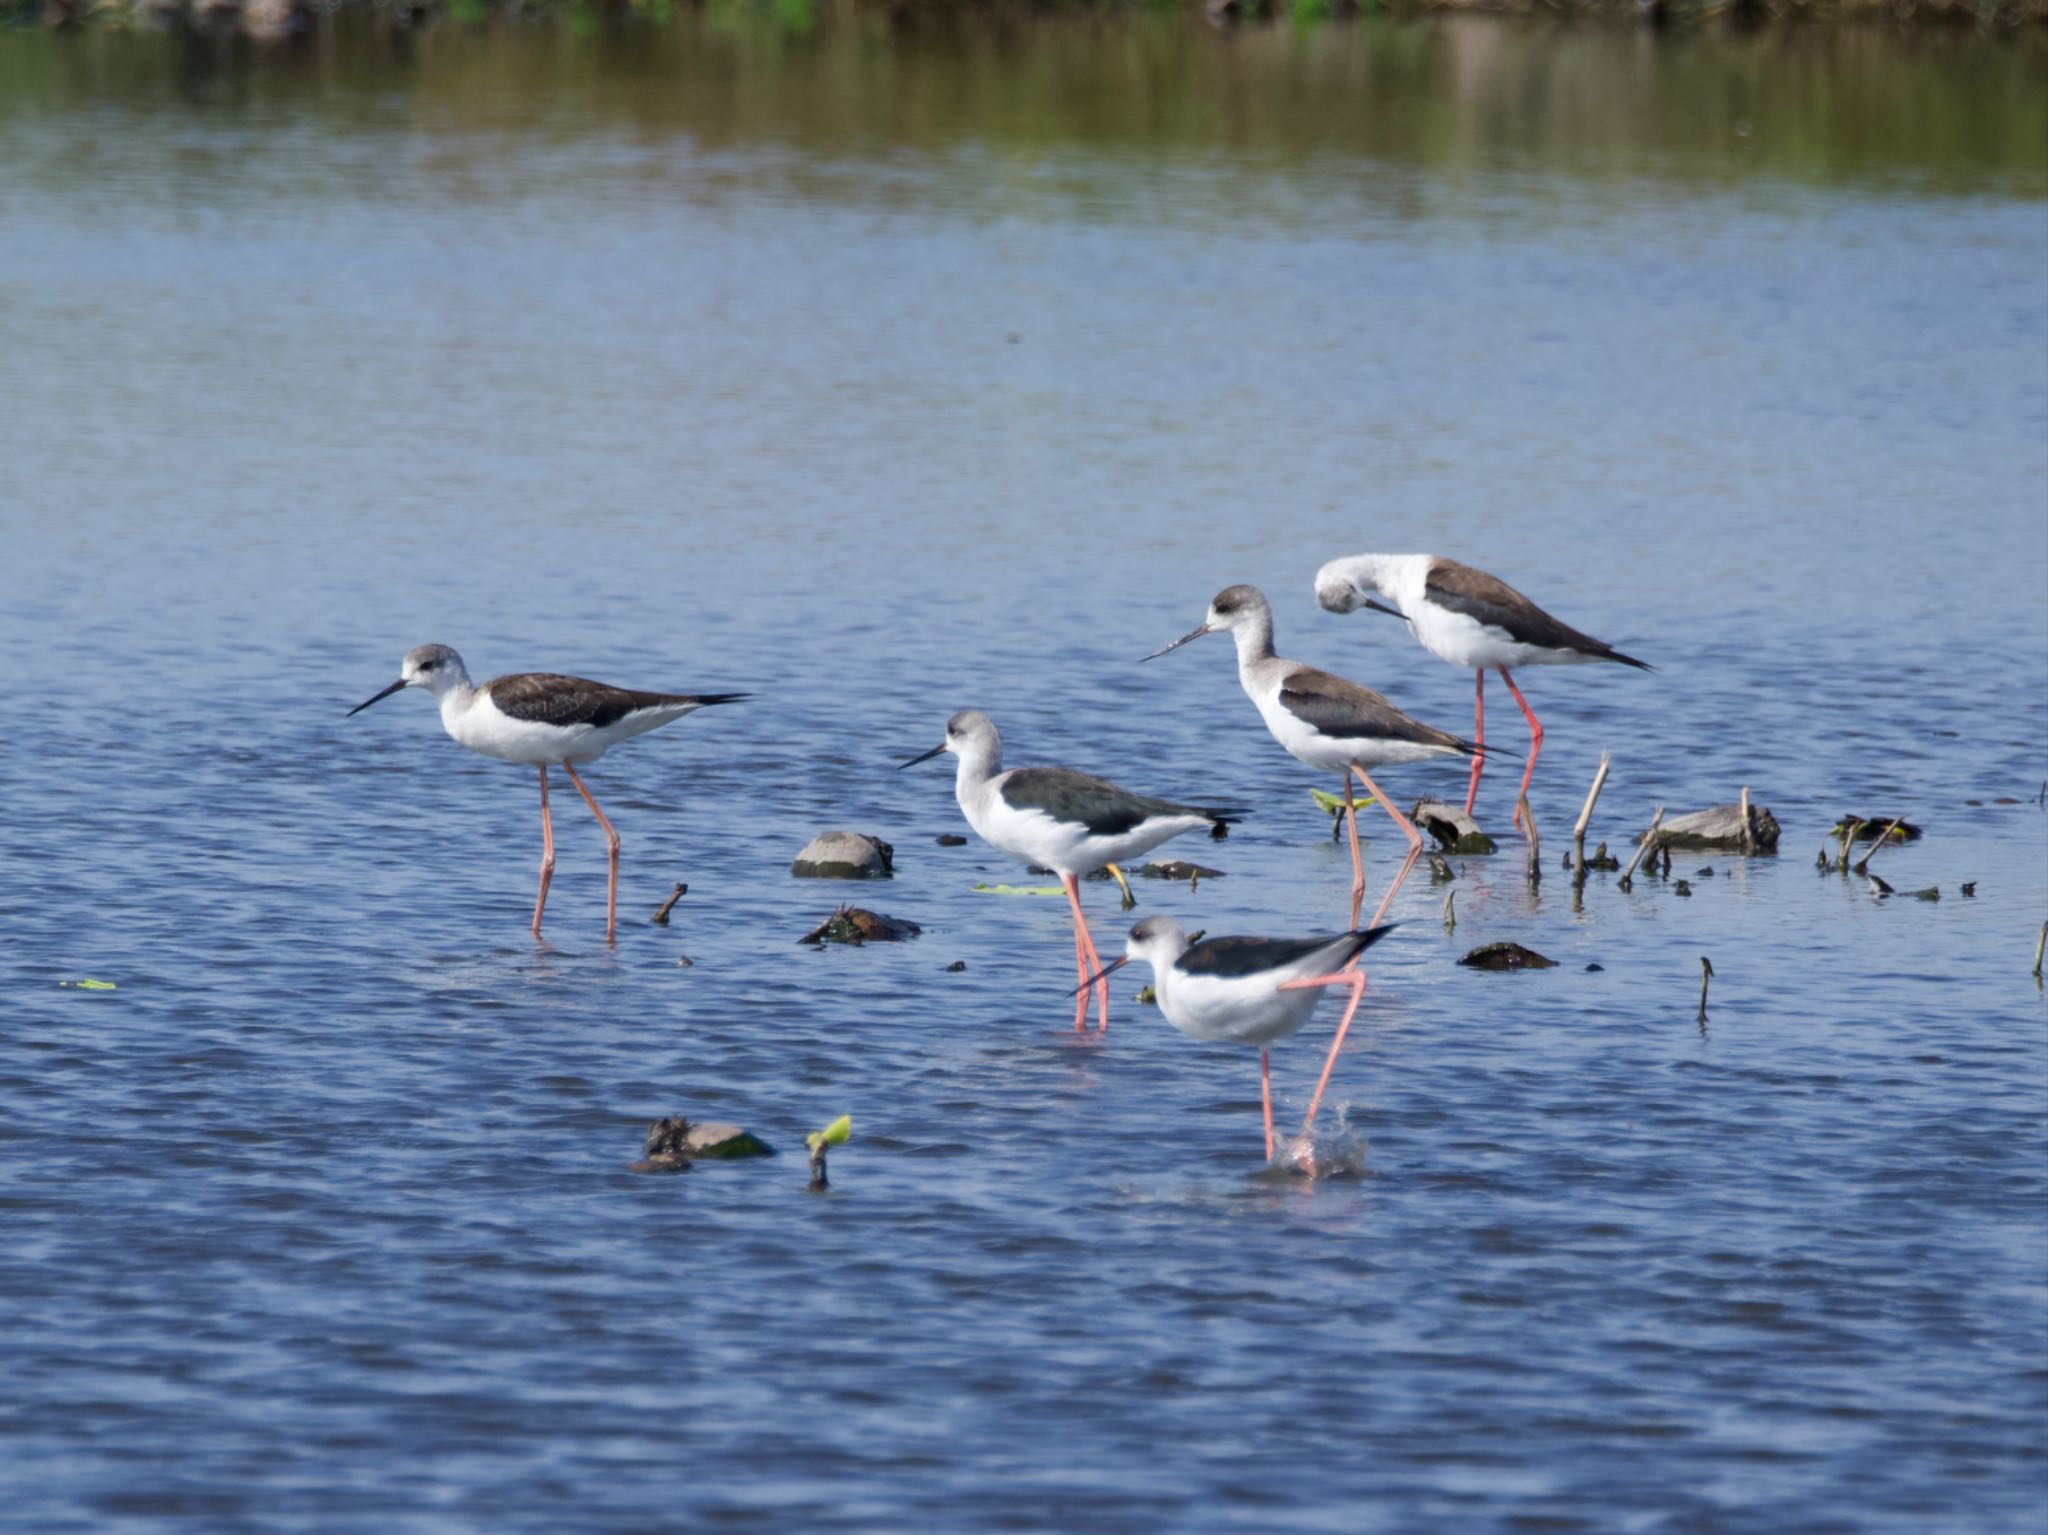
322 1219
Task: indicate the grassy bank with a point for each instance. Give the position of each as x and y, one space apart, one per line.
284 16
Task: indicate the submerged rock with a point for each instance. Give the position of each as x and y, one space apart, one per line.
1455 831
1506 956
845 855
856 924
1174 868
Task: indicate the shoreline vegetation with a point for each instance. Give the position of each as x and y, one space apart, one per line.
282 18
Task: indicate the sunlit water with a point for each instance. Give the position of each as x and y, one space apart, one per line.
876 375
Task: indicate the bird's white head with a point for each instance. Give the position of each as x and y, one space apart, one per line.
1352 582
437 668
1158 941
973 738
1240 608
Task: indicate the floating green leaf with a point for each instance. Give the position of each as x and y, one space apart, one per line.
1333 804
88 985
835 1134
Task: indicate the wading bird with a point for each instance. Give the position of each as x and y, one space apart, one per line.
1325 721
1250 991
1468 618
1072 823
546 720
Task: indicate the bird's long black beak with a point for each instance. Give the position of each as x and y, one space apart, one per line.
1192 634
913 762
1380 607
359 708
1102 974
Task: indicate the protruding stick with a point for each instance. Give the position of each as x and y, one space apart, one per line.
1643 847
1706 975
1528 820
1592 798
2040 947
660 917
1863 863
1745 841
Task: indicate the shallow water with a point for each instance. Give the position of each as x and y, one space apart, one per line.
884 373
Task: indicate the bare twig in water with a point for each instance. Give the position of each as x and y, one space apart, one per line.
1451 923
1535 841
1863 863
1592 798
1849 830
1745 837
1646 845
660 917
1706 975
2040 947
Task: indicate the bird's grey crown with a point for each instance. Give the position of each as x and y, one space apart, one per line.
1233 599
1151 929
426 657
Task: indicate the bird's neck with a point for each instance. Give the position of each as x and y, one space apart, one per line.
973 771
455 699
1254 641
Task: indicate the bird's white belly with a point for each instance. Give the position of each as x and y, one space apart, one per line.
1335 754
1464 641
1063 846
1245 1010
484 728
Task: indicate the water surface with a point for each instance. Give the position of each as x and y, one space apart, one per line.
884 371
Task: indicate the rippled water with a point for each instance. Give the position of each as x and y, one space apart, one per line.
795 364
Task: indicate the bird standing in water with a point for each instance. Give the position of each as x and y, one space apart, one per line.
1468 618
547 720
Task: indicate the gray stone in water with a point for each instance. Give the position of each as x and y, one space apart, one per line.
1718 830
1455 831
1506 956
845 855
726 1143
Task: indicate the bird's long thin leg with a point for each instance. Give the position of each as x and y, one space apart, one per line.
547 851
1357 858
1123 884
611 843
1355 979
1535 739
1407 830
1266 1098
1073 886
1478 737
1081 992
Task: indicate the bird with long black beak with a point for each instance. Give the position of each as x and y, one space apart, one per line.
1053 817
1251 991
1332 724
546 720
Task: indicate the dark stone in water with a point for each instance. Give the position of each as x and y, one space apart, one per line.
1718 830
1872 827
950 839
1681 888
1592 968
1707 873
956 967
857 925
1173 868
1970 889
1506 956
1455 831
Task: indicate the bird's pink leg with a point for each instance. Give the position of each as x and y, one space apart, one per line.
1266 1099
547 851
1407 830
1357 858
1094 959
1535 739
1478 737
611 843
1355 979
1081 993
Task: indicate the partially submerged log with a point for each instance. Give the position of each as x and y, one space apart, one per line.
1506 956
1455 831
845 855
1719 830
857 925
